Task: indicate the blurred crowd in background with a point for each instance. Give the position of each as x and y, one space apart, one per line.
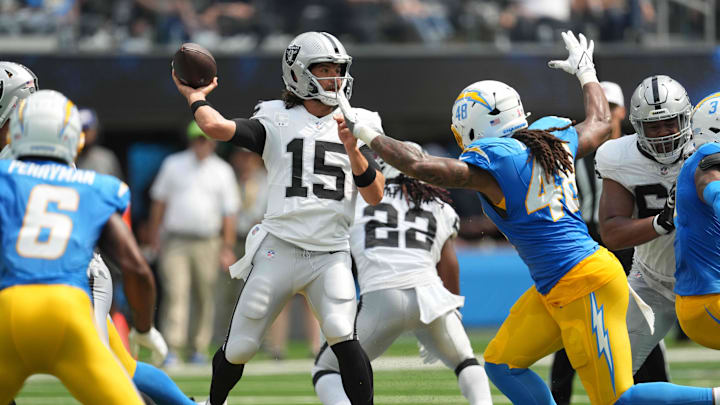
141 26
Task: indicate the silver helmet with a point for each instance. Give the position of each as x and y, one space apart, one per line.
660 98
46 124
16 83
485 109
705 120
304 51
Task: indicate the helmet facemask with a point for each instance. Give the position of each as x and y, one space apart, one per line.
665 149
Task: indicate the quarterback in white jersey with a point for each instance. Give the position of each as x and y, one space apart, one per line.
400 246
637 202
302 245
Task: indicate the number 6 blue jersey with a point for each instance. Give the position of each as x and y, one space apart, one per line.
541 218
51 216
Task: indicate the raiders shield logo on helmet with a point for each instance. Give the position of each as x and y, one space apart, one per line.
291 54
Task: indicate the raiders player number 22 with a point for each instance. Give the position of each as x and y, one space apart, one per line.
302 245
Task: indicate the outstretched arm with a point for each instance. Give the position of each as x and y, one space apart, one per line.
443 172
596 128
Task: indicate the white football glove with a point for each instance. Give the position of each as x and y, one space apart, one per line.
358 129
152 340
97 268
580 58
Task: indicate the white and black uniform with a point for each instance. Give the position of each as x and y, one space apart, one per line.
101 287
653 268
396 250
302 244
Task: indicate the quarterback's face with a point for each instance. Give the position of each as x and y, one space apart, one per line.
329 75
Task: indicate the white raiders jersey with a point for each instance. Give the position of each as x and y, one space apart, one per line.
311 193
649 182
395 247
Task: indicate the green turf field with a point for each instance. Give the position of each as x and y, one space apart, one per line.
284 383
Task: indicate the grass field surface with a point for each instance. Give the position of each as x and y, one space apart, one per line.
400 378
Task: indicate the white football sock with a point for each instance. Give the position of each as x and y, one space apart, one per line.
716 395
474 385
330 390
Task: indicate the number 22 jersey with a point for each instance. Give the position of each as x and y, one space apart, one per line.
51 216
311 193
541 218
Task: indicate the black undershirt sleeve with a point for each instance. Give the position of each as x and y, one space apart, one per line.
250 134
370 157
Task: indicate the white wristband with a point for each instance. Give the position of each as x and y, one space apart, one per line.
365 134
588 76
659 229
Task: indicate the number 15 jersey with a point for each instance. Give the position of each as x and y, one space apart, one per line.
311 193
539 216
51 216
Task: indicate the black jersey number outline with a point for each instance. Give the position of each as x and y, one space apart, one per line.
296 189
393 236
641 194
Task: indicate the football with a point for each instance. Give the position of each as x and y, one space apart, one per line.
194 65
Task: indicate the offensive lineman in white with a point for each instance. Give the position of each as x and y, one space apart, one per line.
302 245
400 247
638 201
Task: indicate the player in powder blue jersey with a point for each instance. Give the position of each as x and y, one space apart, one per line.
51 218
525 179
697 242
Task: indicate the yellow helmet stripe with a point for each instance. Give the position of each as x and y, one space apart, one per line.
474 96
458 138
68 110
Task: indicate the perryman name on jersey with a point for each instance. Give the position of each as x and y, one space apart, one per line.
51 172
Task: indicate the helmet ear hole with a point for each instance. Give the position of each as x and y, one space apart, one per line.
472 134
292 74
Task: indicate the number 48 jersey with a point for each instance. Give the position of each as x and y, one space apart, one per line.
311 194
398 247
51 216
539 216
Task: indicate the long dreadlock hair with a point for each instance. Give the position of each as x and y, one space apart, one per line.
547 149
415 191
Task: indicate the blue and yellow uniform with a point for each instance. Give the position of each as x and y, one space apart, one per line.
51 217
580 293
697 257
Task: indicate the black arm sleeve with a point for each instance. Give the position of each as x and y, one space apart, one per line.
370 157
250 134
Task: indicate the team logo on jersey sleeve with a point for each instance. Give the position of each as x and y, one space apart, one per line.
664 170
270 254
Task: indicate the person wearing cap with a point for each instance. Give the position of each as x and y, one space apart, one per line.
192 226
93 156
590 190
